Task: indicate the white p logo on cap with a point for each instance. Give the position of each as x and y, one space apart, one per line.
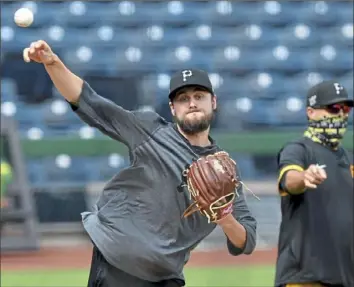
186 74
338 88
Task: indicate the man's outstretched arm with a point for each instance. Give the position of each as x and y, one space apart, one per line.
128 127
68 84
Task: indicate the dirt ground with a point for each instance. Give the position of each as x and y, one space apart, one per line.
80 257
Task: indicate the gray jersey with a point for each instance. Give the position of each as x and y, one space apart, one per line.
137 222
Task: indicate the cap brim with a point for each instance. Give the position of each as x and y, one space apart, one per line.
173 93
346 101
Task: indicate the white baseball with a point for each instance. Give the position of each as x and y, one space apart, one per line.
23 17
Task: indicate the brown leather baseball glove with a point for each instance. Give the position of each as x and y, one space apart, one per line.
212 183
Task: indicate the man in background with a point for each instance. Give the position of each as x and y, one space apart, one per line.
316 187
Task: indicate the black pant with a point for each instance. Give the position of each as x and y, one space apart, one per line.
103 274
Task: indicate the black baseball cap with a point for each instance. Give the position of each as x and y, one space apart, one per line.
327 93
189 77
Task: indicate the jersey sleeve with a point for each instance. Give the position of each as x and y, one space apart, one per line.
291 157
128 127
244 216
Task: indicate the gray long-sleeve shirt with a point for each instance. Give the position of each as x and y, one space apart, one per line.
137 222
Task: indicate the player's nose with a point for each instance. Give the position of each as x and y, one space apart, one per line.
192 103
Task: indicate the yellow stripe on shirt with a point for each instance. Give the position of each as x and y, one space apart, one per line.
283 171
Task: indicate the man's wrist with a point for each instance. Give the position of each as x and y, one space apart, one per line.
227 220
54 60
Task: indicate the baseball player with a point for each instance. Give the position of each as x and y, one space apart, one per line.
316 187
138 230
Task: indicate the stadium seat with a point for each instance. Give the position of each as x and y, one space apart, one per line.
57 114
233 58
64 168
9 89
172 13
224 13
298 35
301 82
104 168
262 84
81 14
334 59
289 110
151 36
273 13
15 39
244 112
339 35
88 58
319 13
35 172
126 14
285 59
180 57
347 81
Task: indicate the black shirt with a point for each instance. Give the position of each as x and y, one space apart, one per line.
316 232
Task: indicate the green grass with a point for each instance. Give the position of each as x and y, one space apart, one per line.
195 277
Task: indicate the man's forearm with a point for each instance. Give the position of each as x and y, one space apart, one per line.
67 83
234 231
294 182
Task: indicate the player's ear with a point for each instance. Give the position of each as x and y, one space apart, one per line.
172 108
310 112
213 102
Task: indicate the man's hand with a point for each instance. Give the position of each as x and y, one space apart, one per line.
39 52
314 176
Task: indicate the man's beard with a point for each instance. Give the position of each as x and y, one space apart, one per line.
192 127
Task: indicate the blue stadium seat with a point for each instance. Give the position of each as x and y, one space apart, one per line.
298 35
180 57
63 168
61 37
228 86
224 13
330 58
233 58
262 84
345 12
104 168
319 13
28 116
347 81
242 112
35 172
289 110
9 89
57 114
172 13
15 39
126 14
301 82
88 58
285 59
274 13
339 35
135 59
151 36
80 13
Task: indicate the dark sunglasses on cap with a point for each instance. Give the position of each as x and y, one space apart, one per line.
336 108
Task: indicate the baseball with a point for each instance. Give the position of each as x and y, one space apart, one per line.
23 17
